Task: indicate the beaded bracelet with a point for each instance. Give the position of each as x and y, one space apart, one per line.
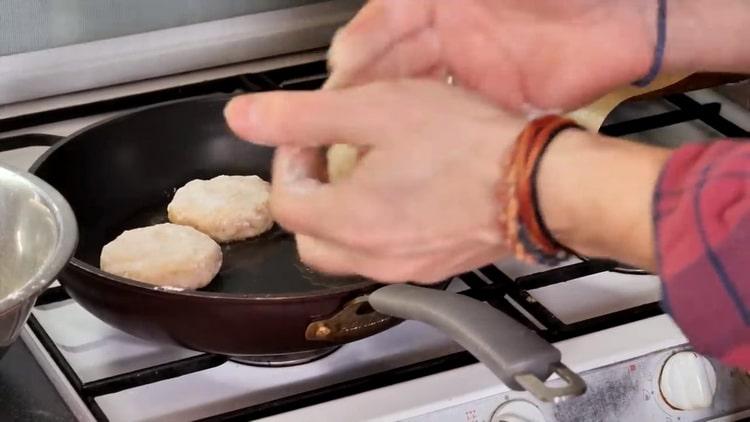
521 221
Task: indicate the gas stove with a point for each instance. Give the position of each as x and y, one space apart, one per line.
605 319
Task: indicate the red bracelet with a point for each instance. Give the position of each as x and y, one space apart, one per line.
521 221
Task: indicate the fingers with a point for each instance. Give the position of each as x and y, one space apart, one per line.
324 256
416 56
300 202
311 118
378 27
330 258
299 166
292 118
327 211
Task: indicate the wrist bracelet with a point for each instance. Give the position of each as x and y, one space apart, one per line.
521 222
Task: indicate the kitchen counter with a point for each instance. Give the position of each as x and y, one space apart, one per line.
26 394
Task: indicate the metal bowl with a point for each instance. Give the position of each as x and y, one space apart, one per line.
38 234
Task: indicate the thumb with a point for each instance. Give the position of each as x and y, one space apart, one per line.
386 39
310 118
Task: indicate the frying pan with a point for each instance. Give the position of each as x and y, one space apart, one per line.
121 173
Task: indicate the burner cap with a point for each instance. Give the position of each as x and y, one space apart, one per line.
286 359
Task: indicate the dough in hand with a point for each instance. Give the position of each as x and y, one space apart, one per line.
341 159
166 255
227 208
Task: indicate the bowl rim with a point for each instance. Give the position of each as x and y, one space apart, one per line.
62 252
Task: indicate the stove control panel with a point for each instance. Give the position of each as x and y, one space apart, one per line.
673 385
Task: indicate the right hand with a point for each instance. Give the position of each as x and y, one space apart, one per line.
421 205
531 57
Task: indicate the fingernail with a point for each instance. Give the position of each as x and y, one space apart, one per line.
238 115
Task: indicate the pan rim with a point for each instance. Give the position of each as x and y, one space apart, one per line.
120 115
203 294
194 294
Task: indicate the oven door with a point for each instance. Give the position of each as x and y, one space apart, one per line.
73 45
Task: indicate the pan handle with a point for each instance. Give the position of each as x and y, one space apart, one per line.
28 140
517 355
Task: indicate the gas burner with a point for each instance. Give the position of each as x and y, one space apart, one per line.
286 359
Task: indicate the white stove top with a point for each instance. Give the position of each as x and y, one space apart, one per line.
95 350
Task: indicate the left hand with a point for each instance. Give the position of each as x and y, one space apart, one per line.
420 205
527 56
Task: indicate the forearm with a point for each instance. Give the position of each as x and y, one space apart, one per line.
595 196
710 36
595 192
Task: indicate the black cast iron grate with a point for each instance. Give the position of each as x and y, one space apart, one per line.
493 286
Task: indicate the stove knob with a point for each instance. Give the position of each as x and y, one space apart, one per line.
688 381
517 411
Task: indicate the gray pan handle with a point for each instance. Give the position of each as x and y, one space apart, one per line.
517 355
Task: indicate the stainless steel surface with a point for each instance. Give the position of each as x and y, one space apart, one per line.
38 235
287 359
67 127
34 25
145 55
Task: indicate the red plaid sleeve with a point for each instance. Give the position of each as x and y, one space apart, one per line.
702 222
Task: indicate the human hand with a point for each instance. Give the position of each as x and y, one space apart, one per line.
420 205
526 56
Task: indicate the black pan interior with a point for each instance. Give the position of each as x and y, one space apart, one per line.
122 173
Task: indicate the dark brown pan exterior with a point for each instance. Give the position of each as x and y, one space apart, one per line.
235 326
121 173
